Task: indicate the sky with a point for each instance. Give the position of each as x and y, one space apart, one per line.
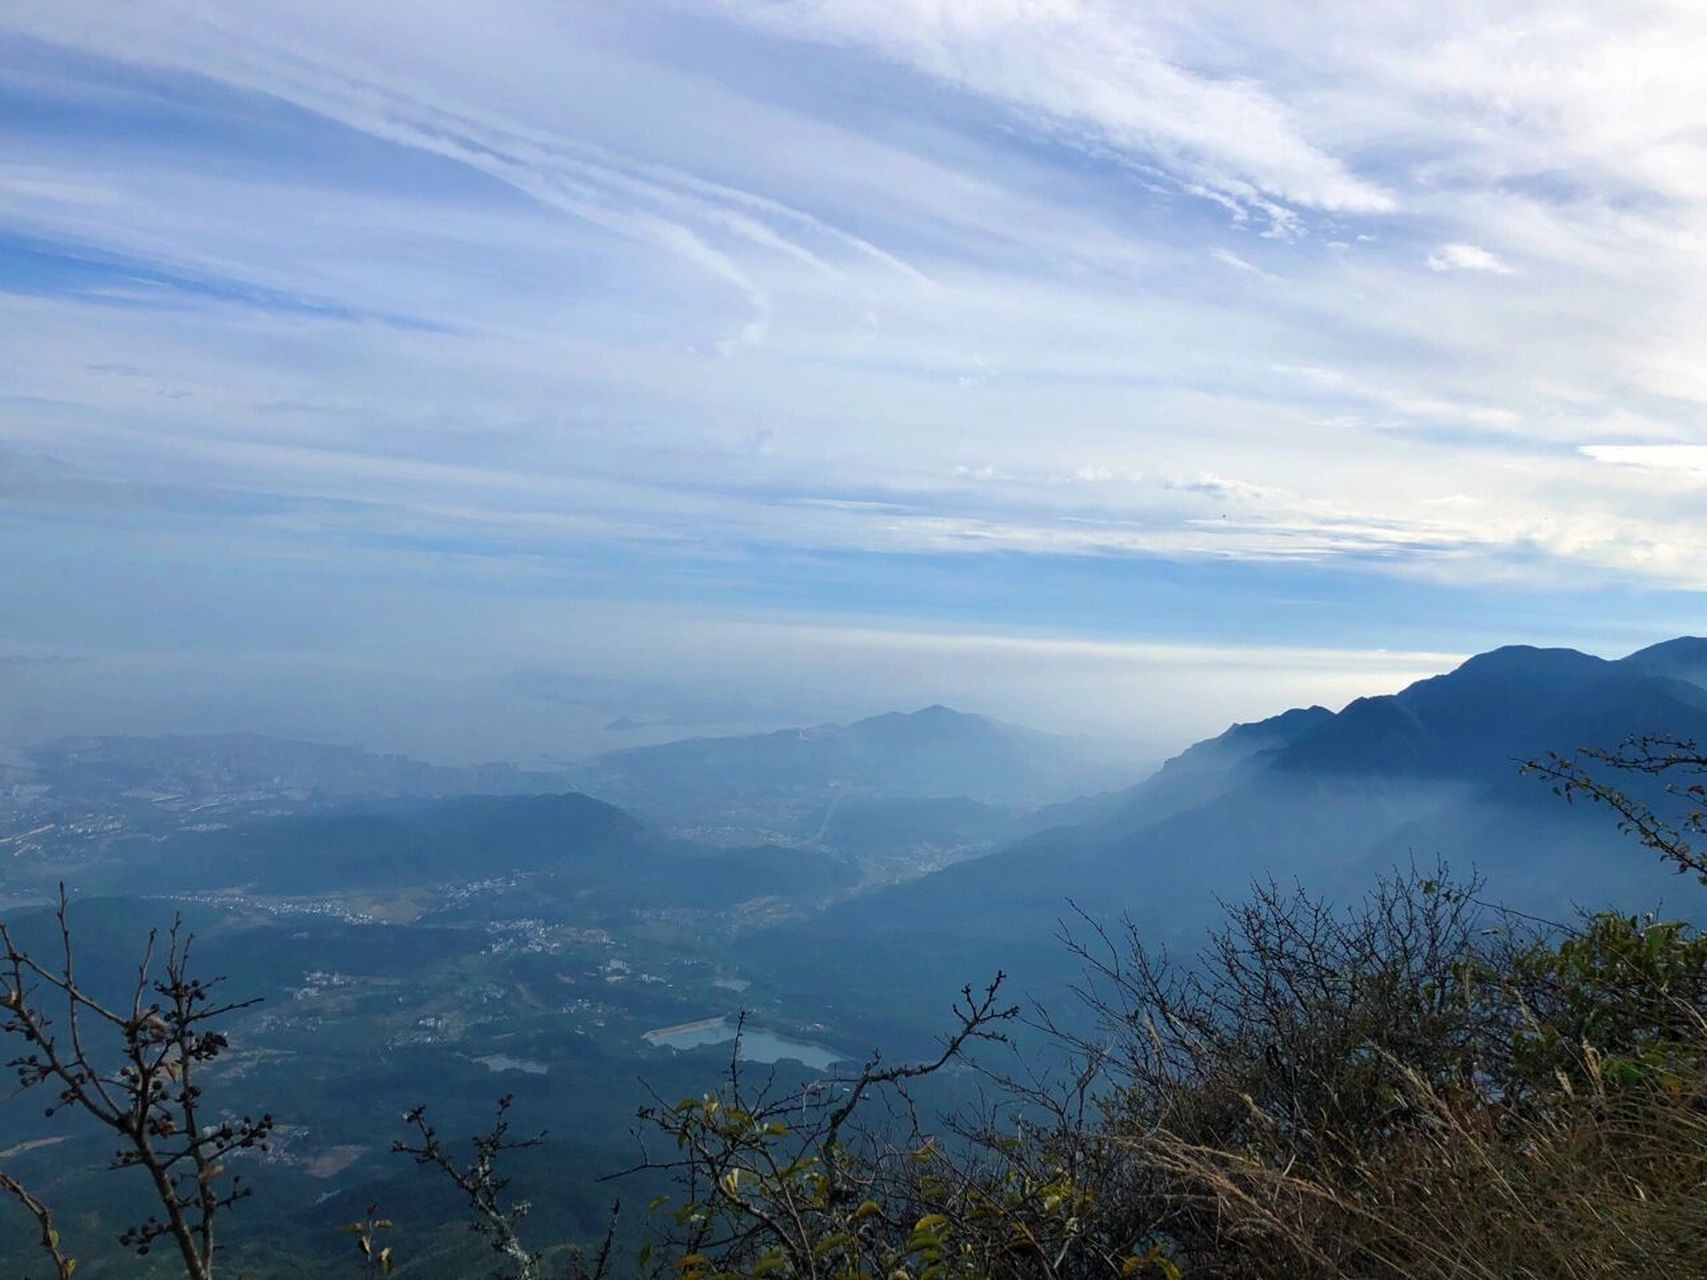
464 379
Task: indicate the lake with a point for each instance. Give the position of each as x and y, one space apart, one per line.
503 1062
756 1045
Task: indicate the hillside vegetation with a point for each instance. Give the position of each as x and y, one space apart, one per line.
1445 1075
1416 1085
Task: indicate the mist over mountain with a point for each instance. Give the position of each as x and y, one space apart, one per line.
897 792
1328 799
202 769
792 784
553 856
556 943
630 558
1429 771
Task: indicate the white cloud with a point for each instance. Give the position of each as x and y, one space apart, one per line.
1466 257
1676 459
464 317
1228 258
1090 69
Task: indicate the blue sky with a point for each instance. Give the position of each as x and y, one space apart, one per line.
462 378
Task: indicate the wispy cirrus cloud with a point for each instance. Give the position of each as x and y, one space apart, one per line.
860 304
1092 74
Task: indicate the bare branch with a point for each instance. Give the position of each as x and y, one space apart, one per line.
48 1233
481 1183
151 1099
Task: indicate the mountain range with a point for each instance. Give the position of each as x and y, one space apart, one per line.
412 945
945 814
901 788
1327 799
790 784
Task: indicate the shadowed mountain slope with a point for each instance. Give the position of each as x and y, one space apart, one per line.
1331 799
582 845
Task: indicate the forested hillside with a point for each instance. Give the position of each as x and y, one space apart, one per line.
1417 878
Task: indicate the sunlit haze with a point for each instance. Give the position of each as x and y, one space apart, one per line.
522 382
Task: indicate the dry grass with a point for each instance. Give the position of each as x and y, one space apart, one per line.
1603 1183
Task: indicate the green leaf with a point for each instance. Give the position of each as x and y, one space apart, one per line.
830 1243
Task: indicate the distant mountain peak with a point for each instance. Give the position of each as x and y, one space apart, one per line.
1684 658
1692 645
937 709
1514 669
1527 657
935 712
932 724
1294 719
933 751
1509 703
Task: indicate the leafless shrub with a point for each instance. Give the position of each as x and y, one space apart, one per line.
136 1070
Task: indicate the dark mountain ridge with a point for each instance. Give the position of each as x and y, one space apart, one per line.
582 845
1332 799
1510 702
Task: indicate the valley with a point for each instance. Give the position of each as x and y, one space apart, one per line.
411 949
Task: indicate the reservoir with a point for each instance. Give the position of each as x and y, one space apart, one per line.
756 1045
503 1062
